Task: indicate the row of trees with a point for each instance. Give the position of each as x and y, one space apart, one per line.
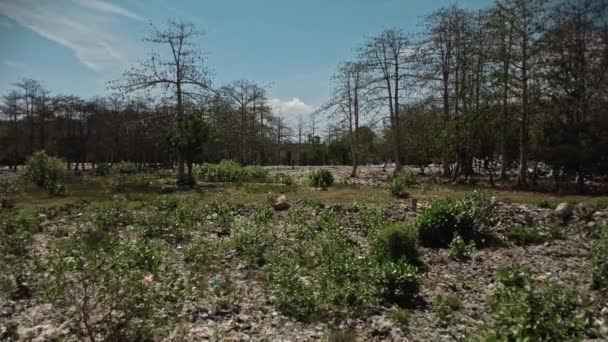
522 80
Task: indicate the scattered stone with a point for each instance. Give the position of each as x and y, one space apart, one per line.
281 204
563 211
582 211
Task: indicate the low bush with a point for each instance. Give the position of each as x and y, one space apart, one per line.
229 171
102 169
255 172
469 217
524 235
321 178
599 260
400 183
46 172
394 242
122 289
284 179
17 229
8 191
401 317
125 168
522 310
400 282
321 273
460 249
122 182
446 306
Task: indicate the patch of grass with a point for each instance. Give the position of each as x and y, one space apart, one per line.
446 306
522 310
599 260
401 317
459 249
525 235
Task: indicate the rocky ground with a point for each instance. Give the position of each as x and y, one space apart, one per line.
247 315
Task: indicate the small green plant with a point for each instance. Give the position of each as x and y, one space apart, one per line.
17 229
545 204
125 168
522 310
394 242
469 217
121 289
46 172
8 190
401 317
255 172
446 307
524 235
321 178
599 260
400 281
102 169
284 179
400 183
460 249
229 171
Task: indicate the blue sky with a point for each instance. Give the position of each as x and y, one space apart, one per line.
76 46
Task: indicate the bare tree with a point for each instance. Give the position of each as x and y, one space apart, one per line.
248 98
526 18
180 73
388 55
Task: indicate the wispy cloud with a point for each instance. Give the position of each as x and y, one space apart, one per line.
103 6
83 29
14 64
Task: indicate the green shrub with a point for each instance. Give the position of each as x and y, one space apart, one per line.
399 281
46 172
114 214
394 242
599 260
226 171
122 182
460 249
255 172
284 179
524 235
446 306
401 317
123 289
321 178
524 311
17 229
8 190
469 217
125 168
400 183
253 243
321 273
102 169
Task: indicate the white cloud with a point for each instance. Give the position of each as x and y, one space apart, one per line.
82 29
291 108
107 7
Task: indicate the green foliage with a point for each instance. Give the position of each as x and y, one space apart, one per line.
524 235
599 260
102 169
122 182
254 242
460 249
8 190
394 242
229 171
255 172
321 272
400 183
321 178
46 172
17 229
469 217
446 306
401 317
125 168
114 214
124 289
524 311
284 179
399 281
